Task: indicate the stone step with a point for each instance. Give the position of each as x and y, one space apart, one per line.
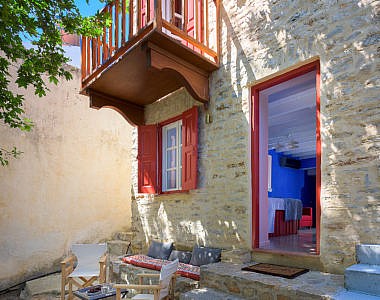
368 254
230 279
123 236
363 278
50 284
347 295
207 294
117 247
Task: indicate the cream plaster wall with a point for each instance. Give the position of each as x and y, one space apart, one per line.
260 38
72 183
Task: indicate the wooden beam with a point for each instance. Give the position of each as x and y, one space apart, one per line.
116 24
185 12
123 21
84 45
98 43
110 41
139 20
105 48
158 12
131 18
218 37
88 63
93 53
133 113
148 16
206 23
194 79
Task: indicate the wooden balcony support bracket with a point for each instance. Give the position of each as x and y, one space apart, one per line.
193 78
133 113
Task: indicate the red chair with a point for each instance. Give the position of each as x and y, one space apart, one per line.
307 217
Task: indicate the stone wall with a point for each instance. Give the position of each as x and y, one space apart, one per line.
260 38
71 184
214 209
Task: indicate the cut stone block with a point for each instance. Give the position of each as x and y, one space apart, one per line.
207 294
368 254
123 236
363 278
48 284
117 247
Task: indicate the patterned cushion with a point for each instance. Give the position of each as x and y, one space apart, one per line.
189 271
145 261
183 256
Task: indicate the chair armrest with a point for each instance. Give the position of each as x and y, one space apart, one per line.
68 260
103 268
103 258
67 267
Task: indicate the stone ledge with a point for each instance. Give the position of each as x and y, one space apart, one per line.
229 278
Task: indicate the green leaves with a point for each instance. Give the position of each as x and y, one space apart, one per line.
5 155
37 22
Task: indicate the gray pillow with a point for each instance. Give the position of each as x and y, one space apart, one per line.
205 255
183 256
160 250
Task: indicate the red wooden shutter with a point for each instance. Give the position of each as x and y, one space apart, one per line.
147 159
189 149
143 12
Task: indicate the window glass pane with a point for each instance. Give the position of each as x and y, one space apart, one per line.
171 137
171 159
171 179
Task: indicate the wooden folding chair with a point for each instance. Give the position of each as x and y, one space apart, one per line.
91 266
162 290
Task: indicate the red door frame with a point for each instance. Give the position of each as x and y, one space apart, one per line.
255 140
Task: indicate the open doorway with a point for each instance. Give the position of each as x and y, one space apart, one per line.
286 162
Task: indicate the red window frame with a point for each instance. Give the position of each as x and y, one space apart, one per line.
150 154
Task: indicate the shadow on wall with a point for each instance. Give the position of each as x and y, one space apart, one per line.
259 39
159 220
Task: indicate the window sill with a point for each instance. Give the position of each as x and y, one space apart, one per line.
173 192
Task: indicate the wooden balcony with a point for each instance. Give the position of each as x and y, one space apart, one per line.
153 48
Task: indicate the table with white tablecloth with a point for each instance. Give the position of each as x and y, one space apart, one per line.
292 208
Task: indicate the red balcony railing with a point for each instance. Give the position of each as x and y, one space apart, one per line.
192 23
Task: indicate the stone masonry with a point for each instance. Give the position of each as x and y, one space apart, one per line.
260 38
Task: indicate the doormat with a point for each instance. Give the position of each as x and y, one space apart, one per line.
275 270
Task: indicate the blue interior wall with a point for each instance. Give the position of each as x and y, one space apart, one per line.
293 183
286 182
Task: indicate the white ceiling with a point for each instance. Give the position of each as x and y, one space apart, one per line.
292 117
